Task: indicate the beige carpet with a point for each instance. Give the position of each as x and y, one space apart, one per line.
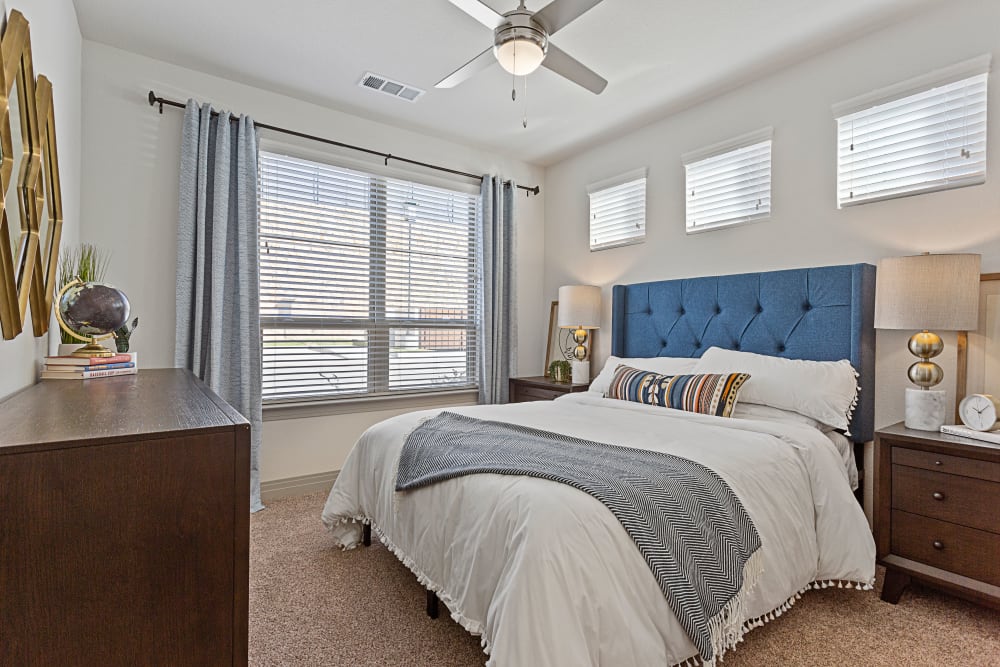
312 604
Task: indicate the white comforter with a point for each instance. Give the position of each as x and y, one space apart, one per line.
547 575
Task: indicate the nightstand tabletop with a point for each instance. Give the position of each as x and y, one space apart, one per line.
900 431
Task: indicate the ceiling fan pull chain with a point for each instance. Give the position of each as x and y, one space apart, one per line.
513 79
524 119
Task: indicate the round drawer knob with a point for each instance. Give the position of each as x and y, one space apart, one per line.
937 495
937 463
939 545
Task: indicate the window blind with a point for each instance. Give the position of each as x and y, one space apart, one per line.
618 211
729 185
931 140
368 284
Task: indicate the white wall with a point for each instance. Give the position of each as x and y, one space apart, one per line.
56 48
130 207
805 228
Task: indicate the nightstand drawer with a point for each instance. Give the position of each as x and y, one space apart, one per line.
526 393
966 551
962 500
955 465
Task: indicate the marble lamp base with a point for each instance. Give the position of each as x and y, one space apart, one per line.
581 371
925 409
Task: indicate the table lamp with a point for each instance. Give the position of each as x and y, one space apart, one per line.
927 292
580 310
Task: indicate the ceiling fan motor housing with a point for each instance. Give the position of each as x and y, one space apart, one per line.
519 43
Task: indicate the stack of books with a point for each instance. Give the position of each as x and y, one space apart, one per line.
85 368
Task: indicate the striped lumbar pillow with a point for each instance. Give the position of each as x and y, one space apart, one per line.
708 394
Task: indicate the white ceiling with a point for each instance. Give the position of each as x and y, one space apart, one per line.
657 55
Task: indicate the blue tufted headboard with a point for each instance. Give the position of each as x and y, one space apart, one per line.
822 314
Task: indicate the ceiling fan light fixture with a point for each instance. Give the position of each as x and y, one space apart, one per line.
520 50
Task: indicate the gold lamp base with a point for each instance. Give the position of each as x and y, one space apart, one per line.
580 352
925 345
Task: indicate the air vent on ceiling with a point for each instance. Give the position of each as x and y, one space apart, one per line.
389 87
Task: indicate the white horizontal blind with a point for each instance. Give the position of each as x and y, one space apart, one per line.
933 140
730 187
368 284
618 211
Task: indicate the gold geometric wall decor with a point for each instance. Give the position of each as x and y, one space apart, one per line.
27 195
48 205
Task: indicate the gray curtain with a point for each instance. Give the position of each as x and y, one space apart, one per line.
218 303
496 262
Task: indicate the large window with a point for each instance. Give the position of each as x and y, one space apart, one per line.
899 142
368 284
728 183
618 211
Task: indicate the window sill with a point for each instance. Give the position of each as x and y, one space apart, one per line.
726 224
330 407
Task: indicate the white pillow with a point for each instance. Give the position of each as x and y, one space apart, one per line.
767 413
661 365
827 391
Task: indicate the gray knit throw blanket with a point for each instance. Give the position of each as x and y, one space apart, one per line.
690 527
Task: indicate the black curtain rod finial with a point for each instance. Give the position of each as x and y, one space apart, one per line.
154 99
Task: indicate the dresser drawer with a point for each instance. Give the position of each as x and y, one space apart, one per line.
962 500
966 551
956 465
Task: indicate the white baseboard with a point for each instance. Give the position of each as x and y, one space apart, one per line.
297 486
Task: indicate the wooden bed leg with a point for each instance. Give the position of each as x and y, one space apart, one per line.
366 535
432 604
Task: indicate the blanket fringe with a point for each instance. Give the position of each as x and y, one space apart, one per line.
727 627
750 624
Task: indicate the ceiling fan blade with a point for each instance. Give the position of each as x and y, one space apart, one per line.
566 65
480 12
468 70
559 13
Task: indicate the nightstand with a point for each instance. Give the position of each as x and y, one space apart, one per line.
937 513
540 388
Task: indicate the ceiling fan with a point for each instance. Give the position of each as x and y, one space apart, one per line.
521 42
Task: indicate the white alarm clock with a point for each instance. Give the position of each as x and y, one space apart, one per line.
980 412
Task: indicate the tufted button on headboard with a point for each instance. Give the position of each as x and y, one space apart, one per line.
822 314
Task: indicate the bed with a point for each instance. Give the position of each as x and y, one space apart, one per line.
545 574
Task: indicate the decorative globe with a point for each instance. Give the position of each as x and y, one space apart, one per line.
91 310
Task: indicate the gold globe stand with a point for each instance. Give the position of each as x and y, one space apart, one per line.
92 348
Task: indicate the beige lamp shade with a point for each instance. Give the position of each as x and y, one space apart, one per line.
935 292
579 307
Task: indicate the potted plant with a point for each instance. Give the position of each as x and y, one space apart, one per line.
123 334
560 371
88 263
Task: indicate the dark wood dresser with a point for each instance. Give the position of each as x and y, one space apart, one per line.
540 388
124 523
937 513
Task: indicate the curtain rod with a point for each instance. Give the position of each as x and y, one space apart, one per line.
154 99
